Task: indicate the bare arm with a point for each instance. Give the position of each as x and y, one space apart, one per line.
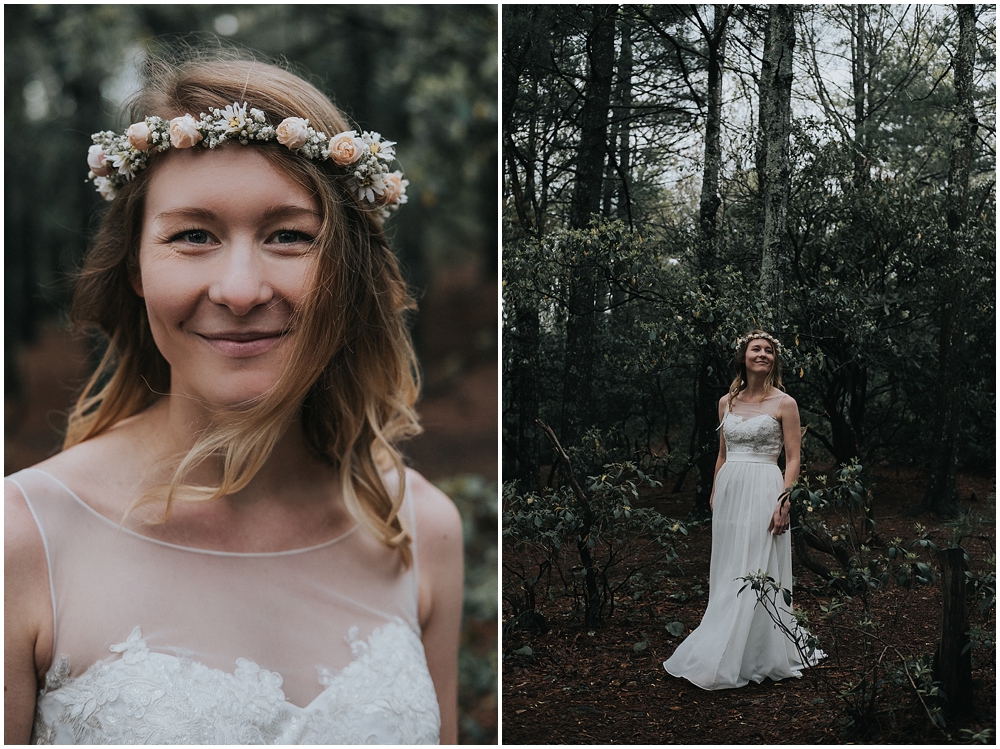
722 451
439 550
27 617
788 415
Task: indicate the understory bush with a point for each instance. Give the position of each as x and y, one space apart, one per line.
860 621
587 545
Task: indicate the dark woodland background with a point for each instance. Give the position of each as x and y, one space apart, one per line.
675 176
424 76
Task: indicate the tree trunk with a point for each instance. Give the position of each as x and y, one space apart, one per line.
623 208
582 324
592 601
772 162
859 21
953 661
710 201
942 496
707 393
526 369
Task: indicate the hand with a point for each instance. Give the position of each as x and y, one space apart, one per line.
711 503
780 519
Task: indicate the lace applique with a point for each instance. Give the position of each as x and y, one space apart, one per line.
384 696
757 434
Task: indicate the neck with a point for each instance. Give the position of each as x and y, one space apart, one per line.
756 386
180 421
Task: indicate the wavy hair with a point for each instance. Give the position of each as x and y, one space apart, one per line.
739 384
352 379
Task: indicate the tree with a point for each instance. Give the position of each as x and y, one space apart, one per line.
773 169
587 190
941 495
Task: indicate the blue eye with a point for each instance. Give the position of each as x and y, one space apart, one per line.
194 236
287 236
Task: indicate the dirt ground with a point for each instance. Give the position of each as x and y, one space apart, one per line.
605 687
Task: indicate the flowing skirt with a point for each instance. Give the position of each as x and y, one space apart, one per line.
737 641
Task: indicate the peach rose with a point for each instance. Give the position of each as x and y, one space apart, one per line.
184 132
393 189
346 148
293 132
138 135
96 160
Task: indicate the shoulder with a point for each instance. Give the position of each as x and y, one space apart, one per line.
437 518
103 470
22 539
787 403
787 407
439 549
26 579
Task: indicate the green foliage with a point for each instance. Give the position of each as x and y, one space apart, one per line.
478 670
795 627
543 533
834 517
986 736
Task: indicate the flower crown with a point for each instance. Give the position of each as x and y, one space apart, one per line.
115 159
752 337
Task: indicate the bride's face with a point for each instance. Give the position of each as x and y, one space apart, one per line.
226 257
759 356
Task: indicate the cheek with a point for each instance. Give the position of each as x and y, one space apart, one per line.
294 280
171 294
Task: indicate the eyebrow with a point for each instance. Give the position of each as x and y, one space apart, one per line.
204 214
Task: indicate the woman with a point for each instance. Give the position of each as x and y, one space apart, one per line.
229 549
737 641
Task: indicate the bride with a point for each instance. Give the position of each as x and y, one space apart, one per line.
737 641
229 548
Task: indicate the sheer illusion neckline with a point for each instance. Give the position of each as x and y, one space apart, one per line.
756 402
194 549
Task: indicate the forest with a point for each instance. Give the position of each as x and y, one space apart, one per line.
675 176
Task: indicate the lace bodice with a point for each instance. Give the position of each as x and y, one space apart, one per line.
162 644
753 427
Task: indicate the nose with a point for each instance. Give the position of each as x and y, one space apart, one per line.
240 280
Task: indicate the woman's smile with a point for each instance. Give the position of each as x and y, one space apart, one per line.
227 259
242 344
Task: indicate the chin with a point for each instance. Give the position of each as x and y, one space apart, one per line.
239 394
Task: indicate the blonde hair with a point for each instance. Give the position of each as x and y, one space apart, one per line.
351 380
773 379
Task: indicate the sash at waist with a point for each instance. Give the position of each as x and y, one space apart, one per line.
752 458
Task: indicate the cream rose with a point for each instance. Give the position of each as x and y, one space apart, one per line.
293 132
138 135
184 132
346 148
394 189
96 160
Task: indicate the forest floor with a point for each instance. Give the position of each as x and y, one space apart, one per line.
609 687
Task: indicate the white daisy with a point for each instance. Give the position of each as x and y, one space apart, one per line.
383 149
235 116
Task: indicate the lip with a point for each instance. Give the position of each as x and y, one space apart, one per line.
242 344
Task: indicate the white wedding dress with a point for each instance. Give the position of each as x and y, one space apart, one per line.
156 643
737 641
